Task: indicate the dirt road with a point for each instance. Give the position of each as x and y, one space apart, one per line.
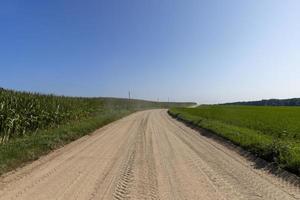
147 155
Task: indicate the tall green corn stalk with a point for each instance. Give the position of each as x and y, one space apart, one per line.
22 113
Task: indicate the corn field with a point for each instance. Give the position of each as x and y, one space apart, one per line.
23 113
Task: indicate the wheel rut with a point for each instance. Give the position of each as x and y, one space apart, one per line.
150 156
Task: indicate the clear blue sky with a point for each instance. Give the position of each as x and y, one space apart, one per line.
188 50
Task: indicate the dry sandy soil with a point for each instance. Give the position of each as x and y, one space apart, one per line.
147 155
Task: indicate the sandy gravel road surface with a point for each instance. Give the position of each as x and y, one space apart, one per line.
147 155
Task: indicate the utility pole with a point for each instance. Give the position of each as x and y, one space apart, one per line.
129 97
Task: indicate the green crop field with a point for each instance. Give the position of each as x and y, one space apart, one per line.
24 113
268 131
32 124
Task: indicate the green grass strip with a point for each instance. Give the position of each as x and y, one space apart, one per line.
286 153
22 150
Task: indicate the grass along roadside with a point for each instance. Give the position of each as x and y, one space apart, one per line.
24 113
19 151
234 124
31 125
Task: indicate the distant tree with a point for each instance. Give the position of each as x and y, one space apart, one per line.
269 102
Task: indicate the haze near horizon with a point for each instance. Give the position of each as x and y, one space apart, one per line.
207 52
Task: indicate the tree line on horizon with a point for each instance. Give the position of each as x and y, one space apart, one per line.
269 102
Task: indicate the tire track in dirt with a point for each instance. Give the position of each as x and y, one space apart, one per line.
147 155
239 172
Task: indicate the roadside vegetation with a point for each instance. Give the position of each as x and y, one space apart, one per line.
270 132
33 124
269 102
